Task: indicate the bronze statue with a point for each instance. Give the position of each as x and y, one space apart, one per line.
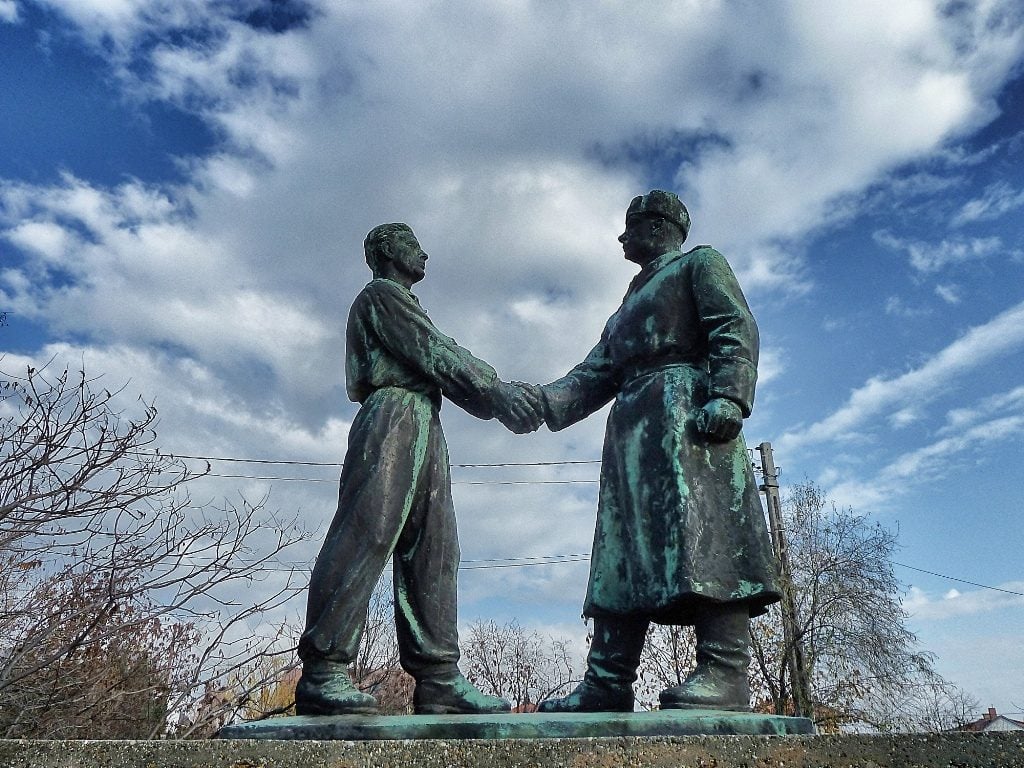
395 497
680 536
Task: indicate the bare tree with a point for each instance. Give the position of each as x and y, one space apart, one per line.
100 542
864 664
669 655
517 664
377 670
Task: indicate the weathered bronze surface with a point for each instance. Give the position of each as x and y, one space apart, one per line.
395 500
680 536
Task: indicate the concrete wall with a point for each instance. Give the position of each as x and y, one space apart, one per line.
961 750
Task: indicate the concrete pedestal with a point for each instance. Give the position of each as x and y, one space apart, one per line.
959 750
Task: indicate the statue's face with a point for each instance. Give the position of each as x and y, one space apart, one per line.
408 259
642 240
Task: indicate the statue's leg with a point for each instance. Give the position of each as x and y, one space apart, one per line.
426 566
377 483
611 669
719 681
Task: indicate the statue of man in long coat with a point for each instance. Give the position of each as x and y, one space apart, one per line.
680 536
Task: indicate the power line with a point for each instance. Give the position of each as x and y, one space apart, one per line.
962 581
525 565
339 464
578 557
507 562
455 482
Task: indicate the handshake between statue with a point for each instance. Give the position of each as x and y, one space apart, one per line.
680 536
521 407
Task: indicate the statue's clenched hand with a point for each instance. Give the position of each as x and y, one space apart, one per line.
720 419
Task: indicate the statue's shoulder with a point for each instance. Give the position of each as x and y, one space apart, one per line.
383 285
382 288
705 256
702 252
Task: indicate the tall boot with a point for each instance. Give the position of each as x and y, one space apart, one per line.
719 681
611 669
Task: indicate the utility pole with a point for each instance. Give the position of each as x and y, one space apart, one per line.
790 632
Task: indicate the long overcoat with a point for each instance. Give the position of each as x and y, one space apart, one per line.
679 519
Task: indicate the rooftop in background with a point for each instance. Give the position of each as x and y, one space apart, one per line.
993 721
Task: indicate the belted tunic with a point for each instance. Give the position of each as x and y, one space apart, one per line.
679 519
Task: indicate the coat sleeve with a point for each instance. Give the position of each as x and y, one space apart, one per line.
731 332
582 390
401 325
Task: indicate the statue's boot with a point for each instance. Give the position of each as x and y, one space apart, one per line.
719 681
325 688
607 685
449 693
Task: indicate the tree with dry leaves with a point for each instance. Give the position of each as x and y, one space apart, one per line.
864 664
118 594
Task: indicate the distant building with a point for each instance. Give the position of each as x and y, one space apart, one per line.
993 721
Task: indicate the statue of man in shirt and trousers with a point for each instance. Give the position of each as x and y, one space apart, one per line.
680 535
395 497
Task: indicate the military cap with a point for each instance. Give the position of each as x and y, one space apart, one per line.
657 202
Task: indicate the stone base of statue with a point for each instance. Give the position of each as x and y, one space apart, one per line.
920 750
672 722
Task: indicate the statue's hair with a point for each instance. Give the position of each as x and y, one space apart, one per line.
377 239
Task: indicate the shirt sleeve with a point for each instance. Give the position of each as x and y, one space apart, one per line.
403 328
730 329
583 390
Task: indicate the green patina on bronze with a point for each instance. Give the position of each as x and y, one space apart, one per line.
680 535
678 513
534 726
394 500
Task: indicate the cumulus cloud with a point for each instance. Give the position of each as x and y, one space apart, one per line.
511 137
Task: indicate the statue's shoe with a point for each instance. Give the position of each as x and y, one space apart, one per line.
454 695
709 687
320 695
591 698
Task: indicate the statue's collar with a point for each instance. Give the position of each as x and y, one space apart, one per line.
654 265
398 285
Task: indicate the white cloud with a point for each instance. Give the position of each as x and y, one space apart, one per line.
948 293
932 257
480 125
1003 334
993 421
142 274
894 305
770 365
995 406
998 199
9 12
955 603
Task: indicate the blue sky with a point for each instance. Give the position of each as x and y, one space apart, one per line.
185 186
